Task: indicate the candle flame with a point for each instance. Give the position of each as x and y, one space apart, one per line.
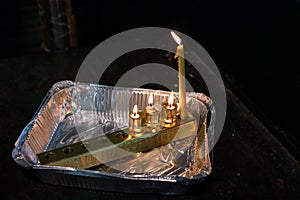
176 38
171 99
150 100
135 110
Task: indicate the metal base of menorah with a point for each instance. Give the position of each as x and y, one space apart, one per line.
161 161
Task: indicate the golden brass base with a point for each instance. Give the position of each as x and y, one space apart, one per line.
104 149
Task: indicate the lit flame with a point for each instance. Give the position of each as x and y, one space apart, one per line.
176 38
171 99
150 100
135 110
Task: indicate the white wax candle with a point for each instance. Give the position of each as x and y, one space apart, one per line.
181 75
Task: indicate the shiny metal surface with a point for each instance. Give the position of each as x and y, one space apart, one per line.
73 112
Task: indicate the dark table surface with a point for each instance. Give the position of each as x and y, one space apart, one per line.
249 163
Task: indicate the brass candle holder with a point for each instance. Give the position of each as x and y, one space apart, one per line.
152 113
136 122
169 112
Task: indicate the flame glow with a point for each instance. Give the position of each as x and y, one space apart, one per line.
135 109
176 38
171 99
150 100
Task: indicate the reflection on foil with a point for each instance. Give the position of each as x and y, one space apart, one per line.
88 126
77 111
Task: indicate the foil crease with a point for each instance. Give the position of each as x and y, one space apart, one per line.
73 112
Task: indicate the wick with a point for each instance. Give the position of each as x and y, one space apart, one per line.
171 113
132 129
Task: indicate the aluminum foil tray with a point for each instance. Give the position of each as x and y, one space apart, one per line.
73 112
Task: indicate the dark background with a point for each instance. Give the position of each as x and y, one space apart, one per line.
255 43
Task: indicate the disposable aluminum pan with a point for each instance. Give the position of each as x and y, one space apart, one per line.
73 112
